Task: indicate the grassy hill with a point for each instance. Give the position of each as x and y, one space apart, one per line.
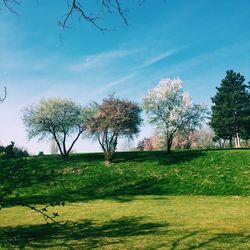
145 200
190 172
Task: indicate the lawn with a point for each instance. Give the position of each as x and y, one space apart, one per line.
145 200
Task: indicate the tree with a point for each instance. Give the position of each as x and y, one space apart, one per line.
171 110
5 95
16 175
77 7
112 119
57 119
231 109
202 138
154 142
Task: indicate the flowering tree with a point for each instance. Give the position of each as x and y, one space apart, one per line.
171 110
57 119
112 119
154 142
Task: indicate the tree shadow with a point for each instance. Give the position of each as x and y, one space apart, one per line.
222 241
161 157
82 177
122 233
85 234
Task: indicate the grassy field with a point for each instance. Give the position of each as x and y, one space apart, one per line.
145 200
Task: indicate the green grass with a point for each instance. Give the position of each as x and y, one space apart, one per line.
145 200
144 222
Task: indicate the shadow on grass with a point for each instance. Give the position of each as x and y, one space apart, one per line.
121 233
83 177
203 240
93 159
161 157
86 234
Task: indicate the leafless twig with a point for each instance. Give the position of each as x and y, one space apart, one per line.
9 5
5 95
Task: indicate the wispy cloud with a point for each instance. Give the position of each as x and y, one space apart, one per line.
97 60
222 54
161 56
114 83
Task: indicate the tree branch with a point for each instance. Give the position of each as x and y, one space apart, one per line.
8 4
5 95
75 6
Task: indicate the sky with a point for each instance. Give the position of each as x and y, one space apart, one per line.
197 41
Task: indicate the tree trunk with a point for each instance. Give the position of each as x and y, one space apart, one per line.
237 140
169 143
230 142
108 158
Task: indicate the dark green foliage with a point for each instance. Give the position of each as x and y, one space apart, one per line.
231 108
11 151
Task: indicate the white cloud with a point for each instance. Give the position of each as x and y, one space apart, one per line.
160 57
97 60
114 83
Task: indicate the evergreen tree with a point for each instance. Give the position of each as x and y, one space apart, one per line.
231 109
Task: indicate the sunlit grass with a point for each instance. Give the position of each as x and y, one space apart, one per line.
145 200
143 222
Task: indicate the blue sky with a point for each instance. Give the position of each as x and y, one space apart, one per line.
194 40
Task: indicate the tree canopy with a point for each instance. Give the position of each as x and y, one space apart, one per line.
231 108
112 119
56 119
171 110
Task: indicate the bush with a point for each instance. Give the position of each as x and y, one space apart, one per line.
10 151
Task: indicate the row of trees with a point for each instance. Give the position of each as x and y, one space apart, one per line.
65 121
230 119
168 107
202 138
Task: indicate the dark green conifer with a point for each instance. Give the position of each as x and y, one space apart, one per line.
231 109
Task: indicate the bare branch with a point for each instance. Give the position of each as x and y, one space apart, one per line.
75 6
5 95
122 12
48 218
8 4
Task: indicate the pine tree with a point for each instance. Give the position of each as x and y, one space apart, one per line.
231 109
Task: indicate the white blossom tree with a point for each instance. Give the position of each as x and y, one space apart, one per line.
59 119
171 110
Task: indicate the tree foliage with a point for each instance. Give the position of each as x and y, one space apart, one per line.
171 110
57 119
112 119
231 108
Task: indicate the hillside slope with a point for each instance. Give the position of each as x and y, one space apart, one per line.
189 172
